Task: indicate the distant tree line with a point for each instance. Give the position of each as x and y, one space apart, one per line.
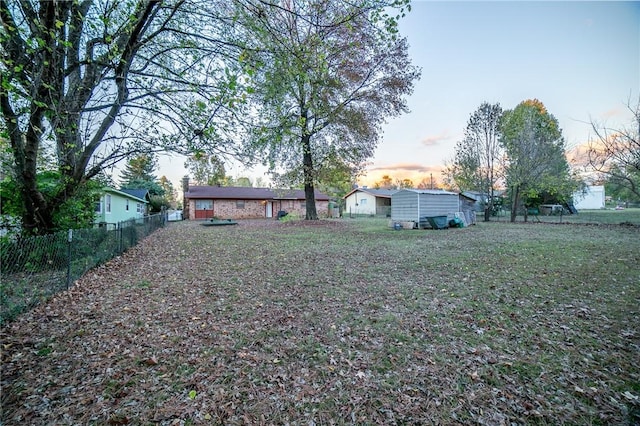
523 150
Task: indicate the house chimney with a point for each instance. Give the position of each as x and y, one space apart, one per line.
185 184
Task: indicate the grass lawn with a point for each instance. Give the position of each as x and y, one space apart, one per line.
340 322
608 216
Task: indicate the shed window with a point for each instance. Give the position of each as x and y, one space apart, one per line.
363 202
239 204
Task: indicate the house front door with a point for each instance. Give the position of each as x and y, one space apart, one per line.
269 209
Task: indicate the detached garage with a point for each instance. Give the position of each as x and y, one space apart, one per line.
415 205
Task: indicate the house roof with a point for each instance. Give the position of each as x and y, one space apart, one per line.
378 193
124 194
142 194
477 195
248 193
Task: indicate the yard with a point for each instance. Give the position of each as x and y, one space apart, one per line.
339 322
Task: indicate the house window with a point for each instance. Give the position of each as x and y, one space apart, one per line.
107 202
126 206
139 208
303 204
239 204
204 204
99 206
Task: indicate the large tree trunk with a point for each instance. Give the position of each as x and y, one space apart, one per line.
37 218
309 190
515 200
59 86
488 208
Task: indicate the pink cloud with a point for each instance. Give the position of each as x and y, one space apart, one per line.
436 139
404 167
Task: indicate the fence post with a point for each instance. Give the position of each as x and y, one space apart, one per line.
69 240
120 236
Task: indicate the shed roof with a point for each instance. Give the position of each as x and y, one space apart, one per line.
248 193
378 193
429 191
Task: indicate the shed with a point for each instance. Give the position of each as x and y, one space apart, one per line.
591 197
415 205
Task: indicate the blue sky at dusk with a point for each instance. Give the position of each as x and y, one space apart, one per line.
581 59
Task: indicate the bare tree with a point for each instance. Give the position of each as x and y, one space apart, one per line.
476 164
615 153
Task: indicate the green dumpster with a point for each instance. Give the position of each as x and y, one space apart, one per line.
438 222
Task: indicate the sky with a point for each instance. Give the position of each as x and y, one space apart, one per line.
580 59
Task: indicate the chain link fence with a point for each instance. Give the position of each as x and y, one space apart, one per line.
35 268
627 216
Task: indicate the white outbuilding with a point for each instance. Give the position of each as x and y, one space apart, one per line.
590 198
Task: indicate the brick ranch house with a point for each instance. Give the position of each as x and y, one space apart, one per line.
231 202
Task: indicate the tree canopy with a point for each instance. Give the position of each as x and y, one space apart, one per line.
535 159
322 77
90 82
205 169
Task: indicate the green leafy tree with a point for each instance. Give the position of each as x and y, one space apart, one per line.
169 191
139 168
243 181
336 177
91 81
205 169
535 155
322 78
75 213
476 165
615 154
139 174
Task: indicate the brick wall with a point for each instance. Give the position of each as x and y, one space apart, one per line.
255 209
229 209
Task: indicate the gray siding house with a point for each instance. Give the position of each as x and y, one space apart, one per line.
415 205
